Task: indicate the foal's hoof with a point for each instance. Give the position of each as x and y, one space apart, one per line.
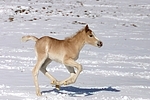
39 94
57 87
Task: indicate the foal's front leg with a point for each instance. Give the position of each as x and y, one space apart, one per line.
74 76
45 72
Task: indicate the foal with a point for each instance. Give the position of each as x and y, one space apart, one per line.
63 51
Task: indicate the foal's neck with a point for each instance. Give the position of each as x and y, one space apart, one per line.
78 40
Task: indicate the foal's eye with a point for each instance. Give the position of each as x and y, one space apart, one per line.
91 35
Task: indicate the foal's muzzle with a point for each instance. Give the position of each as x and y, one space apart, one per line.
99 43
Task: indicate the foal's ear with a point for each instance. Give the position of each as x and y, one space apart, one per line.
86 28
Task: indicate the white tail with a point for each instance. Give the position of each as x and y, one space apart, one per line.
28 37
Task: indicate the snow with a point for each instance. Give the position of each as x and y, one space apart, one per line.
120 70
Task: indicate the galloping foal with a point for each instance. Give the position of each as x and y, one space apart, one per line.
63 51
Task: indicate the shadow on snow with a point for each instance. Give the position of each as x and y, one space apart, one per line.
79 91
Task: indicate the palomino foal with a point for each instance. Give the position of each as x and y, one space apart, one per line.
63 51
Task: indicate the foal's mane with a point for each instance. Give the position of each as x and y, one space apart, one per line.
74 35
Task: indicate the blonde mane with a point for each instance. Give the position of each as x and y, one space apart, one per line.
74 35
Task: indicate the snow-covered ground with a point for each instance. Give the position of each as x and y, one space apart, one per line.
120 70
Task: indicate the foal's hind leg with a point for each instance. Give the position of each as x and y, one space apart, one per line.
40 60
45 72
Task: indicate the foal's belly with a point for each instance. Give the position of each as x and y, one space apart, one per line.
56 57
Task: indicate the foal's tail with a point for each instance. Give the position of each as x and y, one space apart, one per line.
28 37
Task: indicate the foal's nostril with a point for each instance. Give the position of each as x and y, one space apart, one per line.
99 44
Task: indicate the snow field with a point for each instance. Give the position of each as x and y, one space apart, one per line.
120 70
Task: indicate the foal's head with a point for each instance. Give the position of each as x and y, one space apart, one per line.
90 37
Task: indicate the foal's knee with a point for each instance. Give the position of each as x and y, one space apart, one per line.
34 72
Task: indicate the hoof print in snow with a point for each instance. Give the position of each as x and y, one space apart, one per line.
30 19
20 11
11 19
52 32
43 7
134 25
76 22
